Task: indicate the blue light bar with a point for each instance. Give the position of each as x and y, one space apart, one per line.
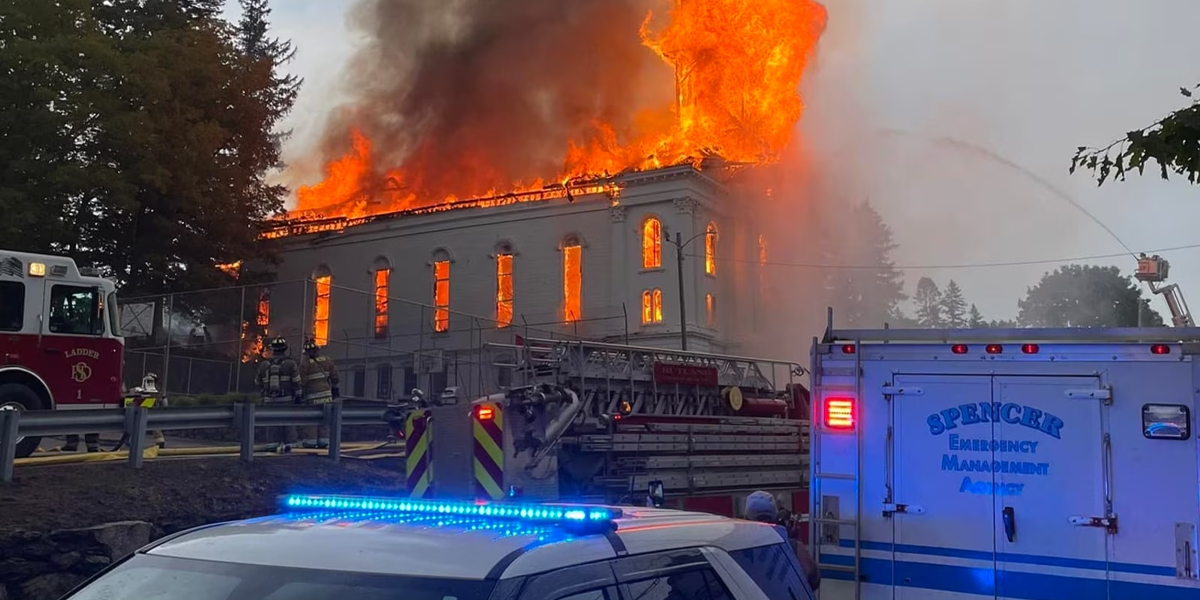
566 514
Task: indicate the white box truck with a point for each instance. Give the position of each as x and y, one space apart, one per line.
1043 464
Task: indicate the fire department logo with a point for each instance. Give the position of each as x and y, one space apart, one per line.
81 372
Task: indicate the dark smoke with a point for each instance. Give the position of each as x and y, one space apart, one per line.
466 96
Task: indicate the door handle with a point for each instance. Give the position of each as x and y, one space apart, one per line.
1010 523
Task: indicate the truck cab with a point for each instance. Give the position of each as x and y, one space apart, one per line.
61 337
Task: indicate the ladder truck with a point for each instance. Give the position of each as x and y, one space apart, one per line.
592 421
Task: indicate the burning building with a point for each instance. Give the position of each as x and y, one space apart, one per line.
434 232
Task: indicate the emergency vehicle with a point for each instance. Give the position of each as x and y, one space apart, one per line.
337 547
61 337
1026 463
609 423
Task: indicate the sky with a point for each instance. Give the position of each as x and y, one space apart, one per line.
1009 82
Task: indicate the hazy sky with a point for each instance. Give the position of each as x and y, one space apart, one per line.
1028 80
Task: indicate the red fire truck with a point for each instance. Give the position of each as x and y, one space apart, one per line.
61 337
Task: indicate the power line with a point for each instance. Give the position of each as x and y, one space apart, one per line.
1014 263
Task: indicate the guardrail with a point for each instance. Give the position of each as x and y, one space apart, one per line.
135 421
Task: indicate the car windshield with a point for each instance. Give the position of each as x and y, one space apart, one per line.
146 577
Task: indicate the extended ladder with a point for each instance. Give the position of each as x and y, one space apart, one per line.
825 514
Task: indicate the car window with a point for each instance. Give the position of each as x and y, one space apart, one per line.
75 310
12 305
589 595
775 569
695 584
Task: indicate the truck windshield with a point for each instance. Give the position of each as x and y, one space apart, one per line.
146 577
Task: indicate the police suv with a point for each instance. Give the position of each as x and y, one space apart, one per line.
342 548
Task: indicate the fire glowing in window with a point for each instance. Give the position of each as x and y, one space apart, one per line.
572 280
652 306
264 307
441 295
710 249
710 307
652 244
321 314
381 301
504 290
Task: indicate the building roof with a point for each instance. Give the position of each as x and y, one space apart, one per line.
450 546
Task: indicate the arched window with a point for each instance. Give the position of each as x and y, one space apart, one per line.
652 306
504 286
441 291
710 309
324 284
383 382
710 249
383 272
572 279
651 243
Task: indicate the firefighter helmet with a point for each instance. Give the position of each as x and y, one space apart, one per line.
310 344
279 345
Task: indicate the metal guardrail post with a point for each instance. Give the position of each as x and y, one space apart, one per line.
244 422
135 426
10 421
333 420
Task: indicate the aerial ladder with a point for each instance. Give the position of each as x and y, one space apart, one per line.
1153 271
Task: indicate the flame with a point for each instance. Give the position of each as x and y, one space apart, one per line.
738 65
233 269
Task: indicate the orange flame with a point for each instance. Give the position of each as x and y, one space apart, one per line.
738 67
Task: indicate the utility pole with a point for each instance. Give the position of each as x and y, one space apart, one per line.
679 246
682 304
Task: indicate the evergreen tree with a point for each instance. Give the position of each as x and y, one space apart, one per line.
1086 296
866 297
954 306
929 304
975 318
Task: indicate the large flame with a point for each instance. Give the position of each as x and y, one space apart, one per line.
738 66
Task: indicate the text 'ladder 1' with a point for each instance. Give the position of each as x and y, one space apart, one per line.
820 516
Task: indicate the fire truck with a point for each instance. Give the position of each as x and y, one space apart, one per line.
61 330
617 424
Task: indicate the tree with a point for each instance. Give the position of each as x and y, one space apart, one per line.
1001 324
929 303
975 318
147 153
1086 296
1173 142
954 306
867 297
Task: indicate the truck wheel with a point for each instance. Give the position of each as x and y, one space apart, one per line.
14 396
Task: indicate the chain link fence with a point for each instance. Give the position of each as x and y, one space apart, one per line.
210 342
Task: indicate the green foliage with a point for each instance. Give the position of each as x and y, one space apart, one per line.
867 297
954 306
138 136
1173 142
929 304
1086 296
975 318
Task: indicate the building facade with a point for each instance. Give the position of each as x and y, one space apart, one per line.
408 301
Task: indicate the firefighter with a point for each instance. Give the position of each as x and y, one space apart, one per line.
320 378
278 380
90 440
761 506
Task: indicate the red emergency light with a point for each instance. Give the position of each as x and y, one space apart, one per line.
848 349
839 413
485 413
959 348
1160 349
1030 348
994 348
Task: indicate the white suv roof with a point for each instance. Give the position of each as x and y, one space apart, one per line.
451 546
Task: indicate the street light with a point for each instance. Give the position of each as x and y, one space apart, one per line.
679 246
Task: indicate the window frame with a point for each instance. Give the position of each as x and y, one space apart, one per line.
20 305
441 305
652 248
383 385
97 319
382 279
504 317
796 570
711 235
321 324
572 311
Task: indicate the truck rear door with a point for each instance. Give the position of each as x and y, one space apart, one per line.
992 470
1049 458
